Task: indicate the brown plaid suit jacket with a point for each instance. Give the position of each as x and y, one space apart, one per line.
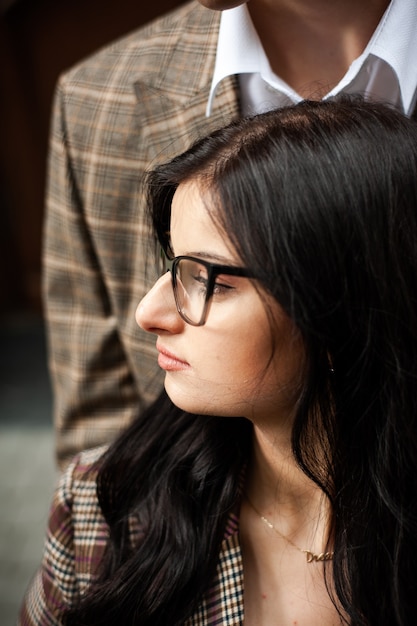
133 104
130 106
76 538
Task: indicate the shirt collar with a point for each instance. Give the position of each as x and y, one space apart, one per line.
239 51
395 42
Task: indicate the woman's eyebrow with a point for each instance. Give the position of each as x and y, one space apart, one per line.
212 256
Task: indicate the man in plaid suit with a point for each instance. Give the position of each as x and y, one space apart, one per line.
138 102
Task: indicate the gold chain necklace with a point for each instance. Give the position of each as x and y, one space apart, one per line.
311 556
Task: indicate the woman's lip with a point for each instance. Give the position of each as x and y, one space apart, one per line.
168 361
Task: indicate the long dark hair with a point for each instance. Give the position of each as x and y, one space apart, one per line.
320 201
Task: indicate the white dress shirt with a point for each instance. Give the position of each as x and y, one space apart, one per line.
386 70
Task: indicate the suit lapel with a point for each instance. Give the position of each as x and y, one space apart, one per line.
172 99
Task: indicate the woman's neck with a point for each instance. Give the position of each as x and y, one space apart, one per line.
280 490
310 44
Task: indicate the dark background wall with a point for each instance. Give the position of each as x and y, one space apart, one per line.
38 40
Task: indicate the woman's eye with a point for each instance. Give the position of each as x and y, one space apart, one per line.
221 289
201 283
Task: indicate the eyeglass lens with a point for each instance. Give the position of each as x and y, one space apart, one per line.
190 288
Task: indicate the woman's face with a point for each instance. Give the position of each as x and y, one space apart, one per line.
239 363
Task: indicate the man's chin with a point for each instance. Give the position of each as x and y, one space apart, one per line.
222 5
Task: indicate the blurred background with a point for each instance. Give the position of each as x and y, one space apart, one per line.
38 40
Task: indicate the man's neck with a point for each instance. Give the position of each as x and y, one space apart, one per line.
310 44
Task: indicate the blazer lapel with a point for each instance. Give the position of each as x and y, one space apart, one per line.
172 99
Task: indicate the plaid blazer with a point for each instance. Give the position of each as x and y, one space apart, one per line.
76 538
132 105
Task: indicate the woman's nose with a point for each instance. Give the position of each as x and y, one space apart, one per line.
157 312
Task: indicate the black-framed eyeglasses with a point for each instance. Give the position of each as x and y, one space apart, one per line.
194 283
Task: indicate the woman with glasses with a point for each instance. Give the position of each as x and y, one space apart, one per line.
274 483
